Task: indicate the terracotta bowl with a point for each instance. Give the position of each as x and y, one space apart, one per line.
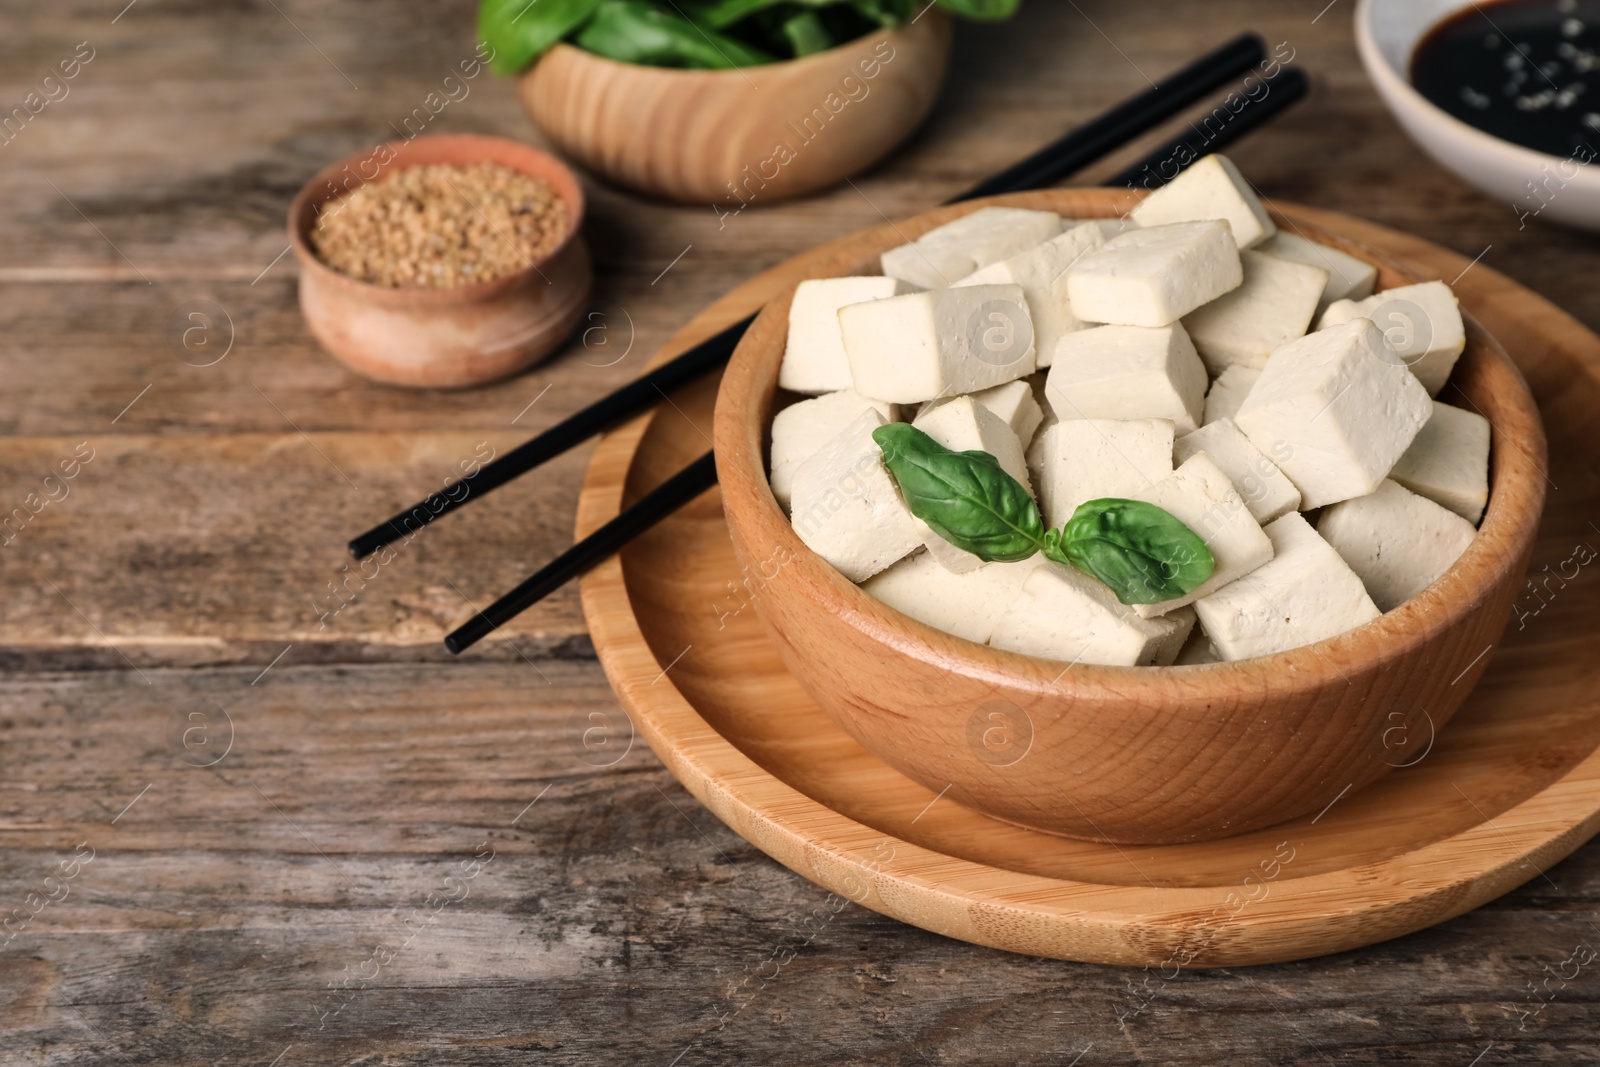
1149 755
753 135
443 338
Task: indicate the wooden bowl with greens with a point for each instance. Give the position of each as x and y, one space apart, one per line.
729 102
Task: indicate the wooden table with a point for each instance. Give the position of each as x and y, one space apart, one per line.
389 857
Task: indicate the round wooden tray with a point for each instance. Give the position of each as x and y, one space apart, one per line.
1510 788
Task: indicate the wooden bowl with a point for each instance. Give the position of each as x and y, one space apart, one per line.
443 338
1147 755
752 135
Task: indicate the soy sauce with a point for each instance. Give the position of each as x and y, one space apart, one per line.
1526 71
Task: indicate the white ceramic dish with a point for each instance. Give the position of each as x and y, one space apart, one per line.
1532 184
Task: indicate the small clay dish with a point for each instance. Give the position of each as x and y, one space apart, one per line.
443 338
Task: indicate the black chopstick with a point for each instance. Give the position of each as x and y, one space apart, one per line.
650 509
1070 153
1286 87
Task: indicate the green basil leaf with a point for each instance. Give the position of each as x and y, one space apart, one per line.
636 31
1144 553
964 496
981 10
520 31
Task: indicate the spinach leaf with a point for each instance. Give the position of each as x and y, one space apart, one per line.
1144 553
806 34
520 31
981 10
964 496
636 31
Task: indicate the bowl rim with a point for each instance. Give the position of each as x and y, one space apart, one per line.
1400 95
1505 535
423 150
572 53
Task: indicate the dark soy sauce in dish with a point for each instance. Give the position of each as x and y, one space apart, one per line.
1525 71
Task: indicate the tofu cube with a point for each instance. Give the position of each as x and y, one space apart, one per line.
1064 614
913 348
1265 490
1349 278
1272 307
963 425
800 430
1014 402
1128 372
1335 410
1304 595
1199 495
966 605
1422 323
846 507
1154 277
1198 650
814 359
1088 459
1449 461
1397 542
945 255
1042 273
1227 393
1212 188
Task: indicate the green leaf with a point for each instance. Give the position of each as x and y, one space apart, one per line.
1144 553
964 496
636 31
520 31
806 34
982 10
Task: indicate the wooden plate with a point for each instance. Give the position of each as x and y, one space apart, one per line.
1510 788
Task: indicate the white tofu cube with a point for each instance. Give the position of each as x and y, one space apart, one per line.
1088 459
1014 402
1422 323
1212 188
1154 277
963 425
949 253
1449 461
1201 497
1398 542
800 430
1335 410
1227 393
1064 614
1304 595
1128 372
1349 278
1042 273
1272 307
1198 650
966 605
1263 486
814 359
912 348
846 507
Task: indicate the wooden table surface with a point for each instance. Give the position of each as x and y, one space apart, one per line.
389 857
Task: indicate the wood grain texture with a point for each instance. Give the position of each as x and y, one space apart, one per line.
676 624
634 926
759 134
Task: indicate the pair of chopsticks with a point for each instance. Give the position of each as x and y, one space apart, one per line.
1071 153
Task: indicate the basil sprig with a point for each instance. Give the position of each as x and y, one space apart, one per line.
1143 553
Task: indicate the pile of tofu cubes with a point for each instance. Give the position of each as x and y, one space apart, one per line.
1162 357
